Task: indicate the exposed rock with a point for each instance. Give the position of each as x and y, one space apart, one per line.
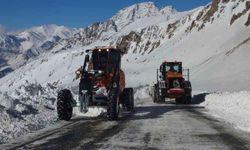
225 1
237 16
92 33
238 46
171 28
248 20
34 89
212 9
200 15
190 28
248 5
124 43
201 26
155 45
141 41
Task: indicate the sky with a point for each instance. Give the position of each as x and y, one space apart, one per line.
21 14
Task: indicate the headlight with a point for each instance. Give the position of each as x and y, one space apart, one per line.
78 72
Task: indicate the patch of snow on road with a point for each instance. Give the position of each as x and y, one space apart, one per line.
141 93
231 107
92 112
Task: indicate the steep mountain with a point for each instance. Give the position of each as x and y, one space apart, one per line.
197 37
116 25
17 48
135 12
8 46
34 37
2 33
213 41
9 43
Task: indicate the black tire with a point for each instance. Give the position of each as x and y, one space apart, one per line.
64 106
180 100
157 97
188 99
128 99
161 97
156 94
113 106
184 100
188 92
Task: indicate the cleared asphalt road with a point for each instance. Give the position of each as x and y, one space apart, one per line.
151 126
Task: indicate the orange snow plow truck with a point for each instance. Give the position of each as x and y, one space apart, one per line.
102 83
172 84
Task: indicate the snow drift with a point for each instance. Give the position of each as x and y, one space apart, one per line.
231 107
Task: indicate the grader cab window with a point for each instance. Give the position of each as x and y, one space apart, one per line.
106 60
167 68
173 67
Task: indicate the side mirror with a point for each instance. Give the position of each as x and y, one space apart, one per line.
161 68
87 50
87 58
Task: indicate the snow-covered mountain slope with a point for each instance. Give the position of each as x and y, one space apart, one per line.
31 42
119 24
2 33
205 39
36 36
213 41
201 39
138 11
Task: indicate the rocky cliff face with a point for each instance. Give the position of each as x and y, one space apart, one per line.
142 41
107 31
118 31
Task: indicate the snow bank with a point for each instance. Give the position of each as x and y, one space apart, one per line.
28 108
231 107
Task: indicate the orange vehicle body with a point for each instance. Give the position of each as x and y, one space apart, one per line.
105 80
174 75
174 92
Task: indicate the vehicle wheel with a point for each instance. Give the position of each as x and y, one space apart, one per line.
113 106
188 99
188 92
161 99
155 98
177 101
64 107
128 99
180 100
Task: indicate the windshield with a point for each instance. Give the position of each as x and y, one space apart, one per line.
173 67
105 60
